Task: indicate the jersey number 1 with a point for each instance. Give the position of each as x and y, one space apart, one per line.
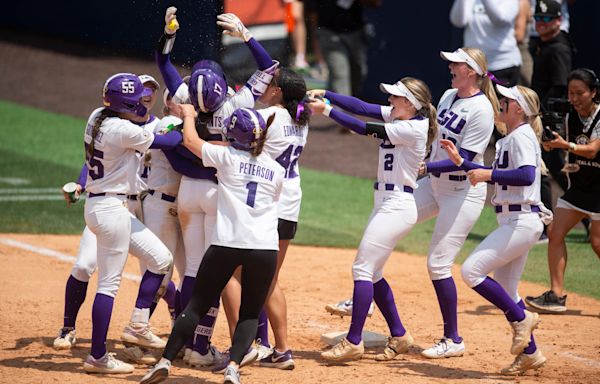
251 187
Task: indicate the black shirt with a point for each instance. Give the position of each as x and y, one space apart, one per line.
551 66
336 18
585 183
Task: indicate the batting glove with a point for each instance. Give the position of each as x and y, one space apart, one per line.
171 24
233 26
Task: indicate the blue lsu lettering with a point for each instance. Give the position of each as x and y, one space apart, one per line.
256 170
451 121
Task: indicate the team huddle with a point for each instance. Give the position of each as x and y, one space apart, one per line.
215 185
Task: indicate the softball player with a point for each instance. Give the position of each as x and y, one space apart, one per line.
246 235
111 140
286 139
197 198
516 177
408 130
466 116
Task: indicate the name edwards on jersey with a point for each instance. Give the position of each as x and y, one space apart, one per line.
293 130
256 170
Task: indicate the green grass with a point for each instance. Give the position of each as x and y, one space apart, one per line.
47 149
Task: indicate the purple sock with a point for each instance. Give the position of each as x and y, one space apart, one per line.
186 294
495 294
148 288
169 296
75 292
361 301
384 298
531 348
445 290
101 313
262 333
205 328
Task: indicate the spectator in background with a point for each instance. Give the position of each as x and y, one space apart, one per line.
339 27
534 38
297 30
551 66
522 28
490 26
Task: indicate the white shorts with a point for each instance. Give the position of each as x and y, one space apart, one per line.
566 205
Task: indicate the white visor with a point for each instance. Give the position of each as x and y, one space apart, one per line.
149 79
399 89
460 56
515 94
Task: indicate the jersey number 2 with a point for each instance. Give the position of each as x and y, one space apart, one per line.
251 187
388 162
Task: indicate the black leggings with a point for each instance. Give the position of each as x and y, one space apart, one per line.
217 267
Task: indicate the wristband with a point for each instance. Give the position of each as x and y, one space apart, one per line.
462 161
327 110
572 147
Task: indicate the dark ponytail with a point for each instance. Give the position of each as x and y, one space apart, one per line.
104 114
293 91
260 142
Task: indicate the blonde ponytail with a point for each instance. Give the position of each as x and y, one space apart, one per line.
532 99
421 91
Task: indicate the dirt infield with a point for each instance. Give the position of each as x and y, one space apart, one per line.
31 303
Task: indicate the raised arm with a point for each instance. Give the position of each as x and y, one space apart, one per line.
461 13
501 12
162 54
350 104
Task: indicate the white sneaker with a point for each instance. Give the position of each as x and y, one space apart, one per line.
232 375
158 373
198 360
142 336
186 355
263 350
522 331
139 355
66 339
444 348
344 308
106 364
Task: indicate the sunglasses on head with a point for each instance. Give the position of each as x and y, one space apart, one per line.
544 19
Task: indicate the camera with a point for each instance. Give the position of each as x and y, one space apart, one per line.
553 118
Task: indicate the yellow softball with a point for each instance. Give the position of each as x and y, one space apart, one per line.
173 25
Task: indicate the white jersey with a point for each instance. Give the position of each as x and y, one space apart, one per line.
467 122
241 99
249 188
114 164
285 142
143 171
163 178
517 149
399 157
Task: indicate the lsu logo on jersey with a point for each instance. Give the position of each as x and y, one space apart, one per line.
451 121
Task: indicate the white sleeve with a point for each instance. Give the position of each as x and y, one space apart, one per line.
242 99
133 136
595 135
400 132
182 95
386 112
461 12
523 150
214 155
478 131
501 12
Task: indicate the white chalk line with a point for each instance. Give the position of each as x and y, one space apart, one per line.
584 360
54 254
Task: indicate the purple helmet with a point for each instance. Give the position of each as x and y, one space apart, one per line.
243 128
212 65
208 90
123 93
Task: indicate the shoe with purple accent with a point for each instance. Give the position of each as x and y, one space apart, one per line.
249 358
106 364
66 339
142 336
444 348
279 360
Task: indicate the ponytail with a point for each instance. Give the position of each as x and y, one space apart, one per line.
104 114
422 93
532 99
430 113
260 142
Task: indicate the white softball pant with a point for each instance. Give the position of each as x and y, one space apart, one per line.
160 216
117 232
504 252
394 214
86 262
197 209
457 206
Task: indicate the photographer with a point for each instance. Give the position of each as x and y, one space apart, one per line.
583 172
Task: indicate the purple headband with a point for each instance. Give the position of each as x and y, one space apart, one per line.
494 79
299 110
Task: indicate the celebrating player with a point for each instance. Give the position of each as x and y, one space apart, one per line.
516 178
111 141
409 128
246 235
197 200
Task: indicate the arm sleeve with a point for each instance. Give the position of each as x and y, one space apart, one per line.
133 136
447 165
521 176
348 121
461 12
468 165
168 141
261 56
168 71
354 105
186 153
82 180
501 12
